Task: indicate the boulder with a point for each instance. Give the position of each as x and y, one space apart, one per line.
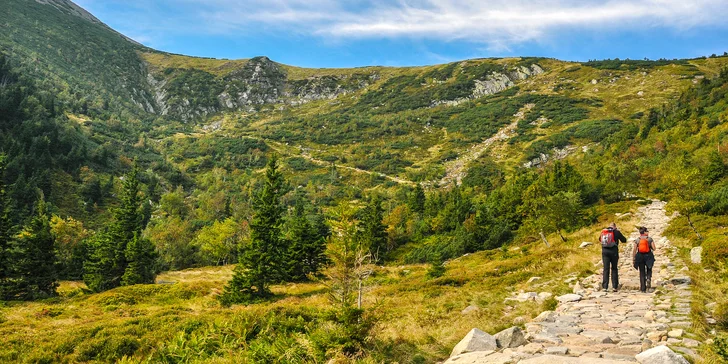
578 289
546 316
533 279
585 244
571 297
676 333
510 338
660 355
696 254
543 296
475 340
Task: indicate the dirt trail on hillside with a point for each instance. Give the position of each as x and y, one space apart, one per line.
457 169
591 326
305 154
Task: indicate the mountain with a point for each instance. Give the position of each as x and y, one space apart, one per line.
506 151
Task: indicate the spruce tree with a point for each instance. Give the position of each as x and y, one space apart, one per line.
372 232
306 252
140 255
36 259
417 200
261 263
5 231
108 259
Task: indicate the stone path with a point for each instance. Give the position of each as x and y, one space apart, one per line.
592 326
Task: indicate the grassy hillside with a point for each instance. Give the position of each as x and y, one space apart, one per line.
540 145
418 319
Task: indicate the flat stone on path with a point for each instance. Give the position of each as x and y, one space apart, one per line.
510 338
481 357
556 359
571 297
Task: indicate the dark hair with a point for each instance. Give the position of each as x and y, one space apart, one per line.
643 230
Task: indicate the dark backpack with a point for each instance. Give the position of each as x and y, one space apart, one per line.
607 238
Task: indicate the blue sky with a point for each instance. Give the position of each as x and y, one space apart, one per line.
329 33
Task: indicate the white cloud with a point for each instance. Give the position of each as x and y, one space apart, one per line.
498 24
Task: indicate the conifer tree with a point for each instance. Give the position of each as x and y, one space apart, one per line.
140 256
306 252
5 232
36 259
108 259
372 232
261 262
417 199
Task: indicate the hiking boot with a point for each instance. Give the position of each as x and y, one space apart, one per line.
615 290
649 283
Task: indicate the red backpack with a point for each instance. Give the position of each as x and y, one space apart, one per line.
644 244
607 238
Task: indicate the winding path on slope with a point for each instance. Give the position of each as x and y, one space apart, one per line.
456 170
611 328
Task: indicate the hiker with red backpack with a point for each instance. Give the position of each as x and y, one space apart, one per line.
643 258
610 239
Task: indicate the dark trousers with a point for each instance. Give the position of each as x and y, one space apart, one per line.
645 268
610 258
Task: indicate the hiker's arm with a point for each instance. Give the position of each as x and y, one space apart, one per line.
652 244
634 252
619 236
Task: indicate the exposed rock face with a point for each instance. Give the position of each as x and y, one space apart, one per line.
475 340
498 82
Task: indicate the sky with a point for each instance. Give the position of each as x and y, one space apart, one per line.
351 33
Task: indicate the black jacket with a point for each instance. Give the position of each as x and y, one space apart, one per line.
618 237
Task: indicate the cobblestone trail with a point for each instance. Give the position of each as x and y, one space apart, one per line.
592 326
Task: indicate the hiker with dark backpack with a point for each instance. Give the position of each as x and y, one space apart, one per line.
610 239
644 258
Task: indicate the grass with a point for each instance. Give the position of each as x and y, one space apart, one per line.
710 283
418 319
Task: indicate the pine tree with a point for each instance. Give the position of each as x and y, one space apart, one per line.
717 169
372 233
5 230
140 255
306 252
108 258
37 276
417 199
262 261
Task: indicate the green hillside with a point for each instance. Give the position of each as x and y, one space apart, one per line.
425 164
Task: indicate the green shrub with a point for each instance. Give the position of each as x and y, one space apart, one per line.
550 304
715 251
720 345
107 348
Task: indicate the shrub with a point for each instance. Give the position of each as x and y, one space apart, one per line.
107 348
720 345
715 250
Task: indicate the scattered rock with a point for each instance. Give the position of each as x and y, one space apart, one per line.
556 350
546 316
677 333
691 343
640 93
571 297
470 309
543 296
578 289
510 338
696 254
585 244
518 321
594 81
533 279
660 355
681 280
475 340
650 315
556 359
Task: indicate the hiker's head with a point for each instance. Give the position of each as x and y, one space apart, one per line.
643 230
613 225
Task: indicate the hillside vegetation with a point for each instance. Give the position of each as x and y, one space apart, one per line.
120 155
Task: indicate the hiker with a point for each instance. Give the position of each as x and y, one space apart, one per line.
610 239
643 258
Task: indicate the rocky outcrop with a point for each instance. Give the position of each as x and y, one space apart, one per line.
660 355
